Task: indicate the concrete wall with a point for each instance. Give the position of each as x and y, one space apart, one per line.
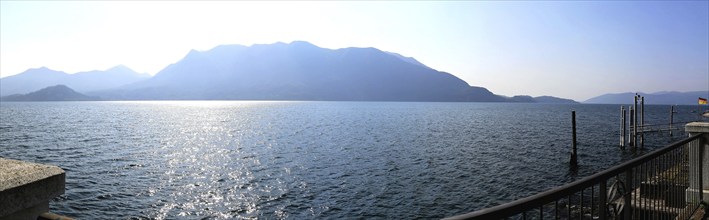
26 188
699 128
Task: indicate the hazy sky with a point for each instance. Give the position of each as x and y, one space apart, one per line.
571 49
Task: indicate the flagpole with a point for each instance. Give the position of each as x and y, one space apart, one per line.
700 101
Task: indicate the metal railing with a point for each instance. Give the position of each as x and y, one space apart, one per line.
664 184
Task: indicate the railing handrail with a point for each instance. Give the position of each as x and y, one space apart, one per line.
546 197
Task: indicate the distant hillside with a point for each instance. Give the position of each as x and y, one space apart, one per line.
663 98
52 93
551 99
35 79
521 98
540 99
484 95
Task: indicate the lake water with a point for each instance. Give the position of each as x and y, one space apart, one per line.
304 160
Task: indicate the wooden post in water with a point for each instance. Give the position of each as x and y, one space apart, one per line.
642 121
622 126
629 139
672 114
573 162
635 122
632 127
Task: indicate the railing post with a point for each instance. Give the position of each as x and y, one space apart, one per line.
603 201
627 198
702 149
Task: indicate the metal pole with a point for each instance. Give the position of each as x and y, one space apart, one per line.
672 114
573 161
622 126
642 121
635 121
632 127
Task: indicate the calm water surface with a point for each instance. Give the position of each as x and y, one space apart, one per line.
303 160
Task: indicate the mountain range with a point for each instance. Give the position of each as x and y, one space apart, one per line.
657 98
280 71
35 79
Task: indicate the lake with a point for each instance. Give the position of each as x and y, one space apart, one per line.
304 160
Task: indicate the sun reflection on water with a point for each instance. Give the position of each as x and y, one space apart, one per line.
207 164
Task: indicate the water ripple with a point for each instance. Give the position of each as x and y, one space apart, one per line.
302 160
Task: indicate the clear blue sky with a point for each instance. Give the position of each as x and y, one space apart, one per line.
572 49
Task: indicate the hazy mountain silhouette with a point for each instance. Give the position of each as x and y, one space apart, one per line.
300 71
551 99
52 93
34 79
664 98
540 99
521 98
279 71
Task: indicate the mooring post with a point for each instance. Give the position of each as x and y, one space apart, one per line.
622 126
642 121
635 122
632 127
628 138
672 113
573 161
